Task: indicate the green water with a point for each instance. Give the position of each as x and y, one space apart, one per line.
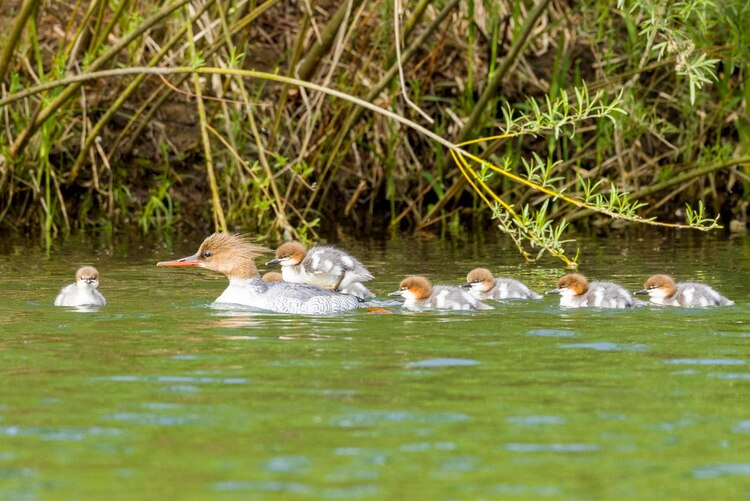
159 396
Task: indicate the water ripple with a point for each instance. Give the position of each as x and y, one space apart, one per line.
270 486
605 346
174 379
428 447
518 447
287 463
371 418
351 492
460 463
17 473
704 361
59 434
551 333
152 419
181 388
443 362
735 375
526 490
535 420
742 427
722 469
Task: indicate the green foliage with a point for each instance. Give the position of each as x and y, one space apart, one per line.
698 217
158 211
602 110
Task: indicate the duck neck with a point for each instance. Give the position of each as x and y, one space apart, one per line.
242 270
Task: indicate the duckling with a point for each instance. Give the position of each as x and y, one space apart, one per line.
419 294
482 285
662 289
85 290
324 266
576 292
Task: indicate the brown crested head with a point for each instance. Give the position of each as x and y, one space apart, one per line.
231 254
291 252
87 273
419 287
664 282
272 276
480 275
575 282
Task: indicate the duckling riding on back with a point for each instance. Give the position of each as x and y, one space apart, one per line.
324 266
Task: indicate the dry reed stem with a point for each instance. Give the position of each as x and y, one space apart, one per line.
218 212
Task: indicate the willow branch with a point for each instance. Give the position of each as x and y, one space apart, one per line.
341 95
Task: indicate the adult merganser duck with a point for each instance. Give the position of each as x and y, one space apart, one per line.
324 266
662 290
421 295
233 255
576 292
482 285
84 292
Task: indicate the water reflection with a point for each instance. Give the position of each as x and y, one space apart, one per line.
82 309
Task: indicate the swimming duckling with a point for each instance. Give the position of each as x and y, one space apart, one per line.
482 285
84 292
662 289
419 294
576 292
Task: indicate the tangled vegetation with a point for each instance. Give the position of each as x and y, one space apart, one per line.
287 118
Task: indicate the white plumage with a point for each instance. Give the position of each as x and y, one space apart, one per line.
84 291
419 294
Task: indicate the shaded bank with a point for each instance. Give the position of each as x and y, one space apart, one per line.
275 159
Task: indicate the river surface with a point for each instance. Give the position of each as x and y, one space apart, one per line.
159 396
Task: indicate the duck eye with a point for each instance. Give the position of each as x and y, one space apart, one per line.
208 254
